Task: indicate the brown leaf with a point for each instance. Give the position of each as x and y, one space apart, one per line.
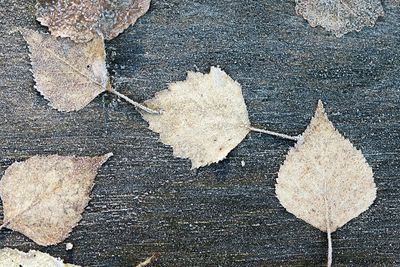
83 20
67 74
338 16
203 118
44 196
15 258
325 181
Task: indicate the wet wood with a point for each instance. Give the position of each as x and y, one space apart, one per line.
145 201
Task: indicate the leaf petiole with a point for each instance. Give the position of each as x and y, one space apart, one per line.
5 224
284 136
136 104
329 262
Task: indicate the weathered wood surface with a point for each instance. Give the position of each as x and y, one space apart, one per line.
146 201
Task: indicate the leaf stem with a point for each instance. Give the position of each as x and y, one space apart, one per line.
136 104
5 224
284 136
328 231
330 250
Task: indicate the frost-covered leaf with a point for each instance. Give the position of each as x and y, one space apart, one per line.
203 117
15 258
340 16
83 20
44 196
67 74
325 180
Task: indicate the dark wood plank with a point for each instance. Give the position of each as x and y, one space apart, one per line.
146 201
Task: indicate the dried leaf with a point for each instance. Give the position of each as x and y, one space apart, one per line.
67 74
44 196
148 261
325 181
15 258
339 16
83 20
203 118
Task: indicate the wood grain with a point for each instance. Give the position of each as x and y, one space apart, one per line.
146 201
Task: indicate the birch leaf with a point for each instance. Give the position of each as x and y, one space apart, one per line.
203 118
67 74
44 196
15 258
338 16
83 20
325 180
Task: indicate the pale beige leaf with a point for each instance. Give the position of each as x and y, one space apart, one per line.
324 180
44 196
340 16
67 74
147 261
83 20
203 118
15 258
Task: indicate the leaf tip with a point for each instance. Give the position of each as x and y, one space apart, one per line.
108 155
320 106
216 69
320 113
105 157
